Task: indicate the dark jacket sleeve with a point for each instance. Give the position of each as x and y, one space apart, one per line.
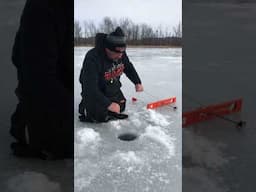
130 71
89 79
15 50
41 68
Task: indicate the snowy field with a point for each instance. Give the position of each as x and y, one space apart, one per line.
150 163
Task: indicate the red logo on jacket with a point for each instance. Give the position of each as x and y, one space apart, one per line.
114 72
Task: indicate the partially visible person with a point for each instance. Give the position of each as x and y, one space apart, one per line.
43 55
102 98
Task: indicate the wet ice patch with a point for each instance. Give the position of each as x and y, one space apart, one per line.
201 151
197 180
160 83
157 118
31 182
204 158
157 134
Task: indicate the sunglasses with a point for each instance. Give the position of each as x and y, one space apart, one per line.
120 50
117 51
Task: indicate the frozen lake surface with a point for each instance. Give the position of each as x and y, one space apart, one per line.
152 162
218 66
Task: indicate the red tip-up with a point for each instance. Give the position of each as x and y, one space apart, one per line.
134 99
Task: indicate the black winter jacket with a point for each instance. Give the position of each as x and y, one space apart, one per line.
43 55
100 76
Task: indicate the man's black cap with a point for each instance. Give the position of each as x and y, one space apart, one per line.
116 39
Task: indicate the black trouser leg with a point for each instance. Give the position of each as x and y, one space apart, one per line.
51 132
122 105
120 99
81 107
18 124
96 112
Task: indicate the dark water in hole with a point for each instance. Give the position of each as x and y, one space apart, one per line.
127 136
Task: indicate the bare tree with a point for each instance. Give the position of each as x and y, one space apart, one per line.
86 29
160 31
107 25
167 32
143 29
92 29
77 31
136 33
126 24
177 30
146 31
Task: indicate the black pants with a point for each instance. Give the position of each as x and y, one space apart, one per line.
19 119
46 130
96 112
18 123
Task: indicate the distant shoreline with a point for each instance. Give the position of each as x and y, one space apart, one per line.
139 46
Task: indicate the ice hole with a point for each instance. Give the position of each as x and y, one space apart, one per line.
127 136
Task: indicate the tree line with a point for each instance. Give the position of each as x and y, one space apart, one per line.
136 34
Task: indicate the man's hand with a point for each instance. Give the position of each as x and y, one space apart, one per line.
114 107
139 88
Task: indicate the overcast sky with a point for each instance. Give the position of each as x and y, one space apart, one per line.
167 13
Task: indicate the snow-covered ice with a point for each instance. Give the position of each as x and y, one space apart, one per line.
31 182
150 163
